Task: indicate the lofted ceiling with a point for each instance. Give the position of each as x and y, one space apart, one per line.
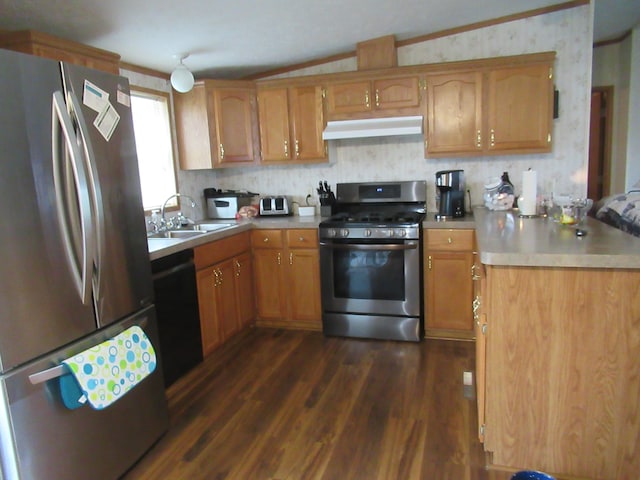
232 39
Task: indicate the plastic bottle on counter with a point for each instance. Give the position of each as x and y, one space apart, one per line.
507 181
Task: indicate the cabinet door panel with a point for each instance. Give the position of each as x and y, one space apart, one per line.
308 122
233 125
226 299
207 305
394 93
245 298
349 98
273 113
267 269
449 291
520 109
304 276
454 113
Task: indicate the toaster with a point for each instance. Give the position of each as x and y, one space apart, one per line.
277 205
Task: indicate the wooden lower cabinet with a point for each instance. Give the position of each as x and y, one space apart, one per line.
225 289
448 283
287 278
561 363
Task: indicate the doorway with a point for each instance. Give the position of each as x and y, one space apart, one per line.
599 170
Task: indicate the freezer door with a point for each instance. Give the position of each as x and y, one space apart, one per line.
41 439
99 104
40 309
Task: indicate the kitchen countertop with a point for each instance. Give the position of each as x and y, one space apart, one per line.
506 239
503 238
161 247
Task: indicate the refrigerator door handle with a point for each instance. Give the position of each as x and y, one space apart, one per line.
59 370
89 160
76 230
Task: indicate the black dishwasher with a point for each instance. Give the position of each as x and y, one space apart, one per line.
176 300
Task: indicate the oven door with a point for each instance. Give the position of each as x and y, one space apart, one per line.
379 277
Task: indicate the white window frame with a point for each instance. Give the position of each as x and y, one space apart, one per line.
171 184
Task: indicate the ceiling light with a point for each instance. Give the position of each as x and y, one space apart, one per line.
182 79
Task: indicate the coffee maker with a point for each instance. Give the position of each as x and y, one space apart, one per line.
450 194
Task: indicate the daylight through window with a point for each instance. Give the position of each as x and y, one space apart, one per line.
152 128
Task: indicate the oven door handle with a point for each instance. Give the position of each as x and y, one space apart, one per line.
367 246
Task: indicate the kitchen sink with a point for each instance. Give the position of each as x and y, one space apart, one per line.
177 234
211 227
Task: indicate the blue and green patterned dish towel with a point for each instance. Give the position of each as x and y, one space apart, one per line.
103 373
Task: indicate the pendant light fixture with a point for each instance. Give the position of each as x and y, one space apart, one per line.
181 78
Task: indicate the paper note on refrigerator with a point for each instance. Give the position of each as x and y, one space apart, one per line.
94 97
107 121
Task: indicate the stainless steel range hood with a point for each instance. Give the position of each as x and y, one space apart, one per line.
373 127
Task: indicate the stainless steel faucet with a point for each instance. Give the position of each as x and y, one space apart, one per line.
175 195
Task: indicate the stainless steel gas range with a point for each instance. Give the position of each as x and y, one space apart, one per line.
370 261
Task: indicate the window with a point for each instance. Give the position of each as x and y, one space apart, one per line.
150 111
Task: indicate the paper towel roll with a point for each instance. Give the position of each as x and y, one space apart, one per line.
528 202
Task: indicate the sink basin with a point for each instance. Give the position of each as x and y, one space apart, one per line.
177 234
210 227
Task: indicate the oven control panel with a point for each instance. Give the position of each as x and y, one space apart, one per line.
400 233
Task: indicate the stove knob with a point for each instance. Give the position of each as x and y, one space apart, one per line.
391 233
332 232
367 232
345 232
402 232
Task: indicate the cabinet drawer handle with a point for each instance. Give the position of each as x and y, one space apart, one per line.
279 258
493 137
377 98
297 145
265 239
290 258
238 266
449 240
301 239
221 152
479 139
366 99
286 148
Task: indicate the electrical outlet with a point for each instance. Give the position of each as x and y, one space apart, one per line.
467 378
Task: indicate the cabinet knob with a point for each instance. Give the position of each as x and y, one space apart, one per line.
449 240
301 239
265 239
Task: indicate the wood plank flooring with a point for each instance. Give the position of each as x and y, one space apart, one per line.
292 405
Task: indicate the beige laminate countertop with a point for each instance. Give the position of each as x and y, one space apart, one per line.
161 247
506 239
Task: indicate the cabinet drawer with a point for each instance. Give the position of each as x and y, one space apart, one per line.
456 240
303 238
266 238
214 252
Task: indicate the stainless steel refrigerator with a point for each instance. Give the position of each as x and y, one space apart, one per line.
74 269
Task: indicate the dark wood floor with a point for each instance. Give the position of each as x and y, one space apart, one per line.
277 404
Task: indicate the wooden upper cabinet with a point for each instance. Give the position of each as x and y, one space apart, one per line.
291 123
216 125
273 116
307 117
48 46
520 102
373 98
234 116
490 110
454 113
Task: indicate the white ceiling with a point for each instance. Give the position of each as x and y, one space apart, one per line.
236 38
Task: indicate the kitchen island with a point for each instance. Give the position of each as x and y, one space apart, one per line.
558 346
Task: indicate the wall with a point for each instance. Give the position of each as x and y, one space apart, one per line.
633 144
611 67
568 32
